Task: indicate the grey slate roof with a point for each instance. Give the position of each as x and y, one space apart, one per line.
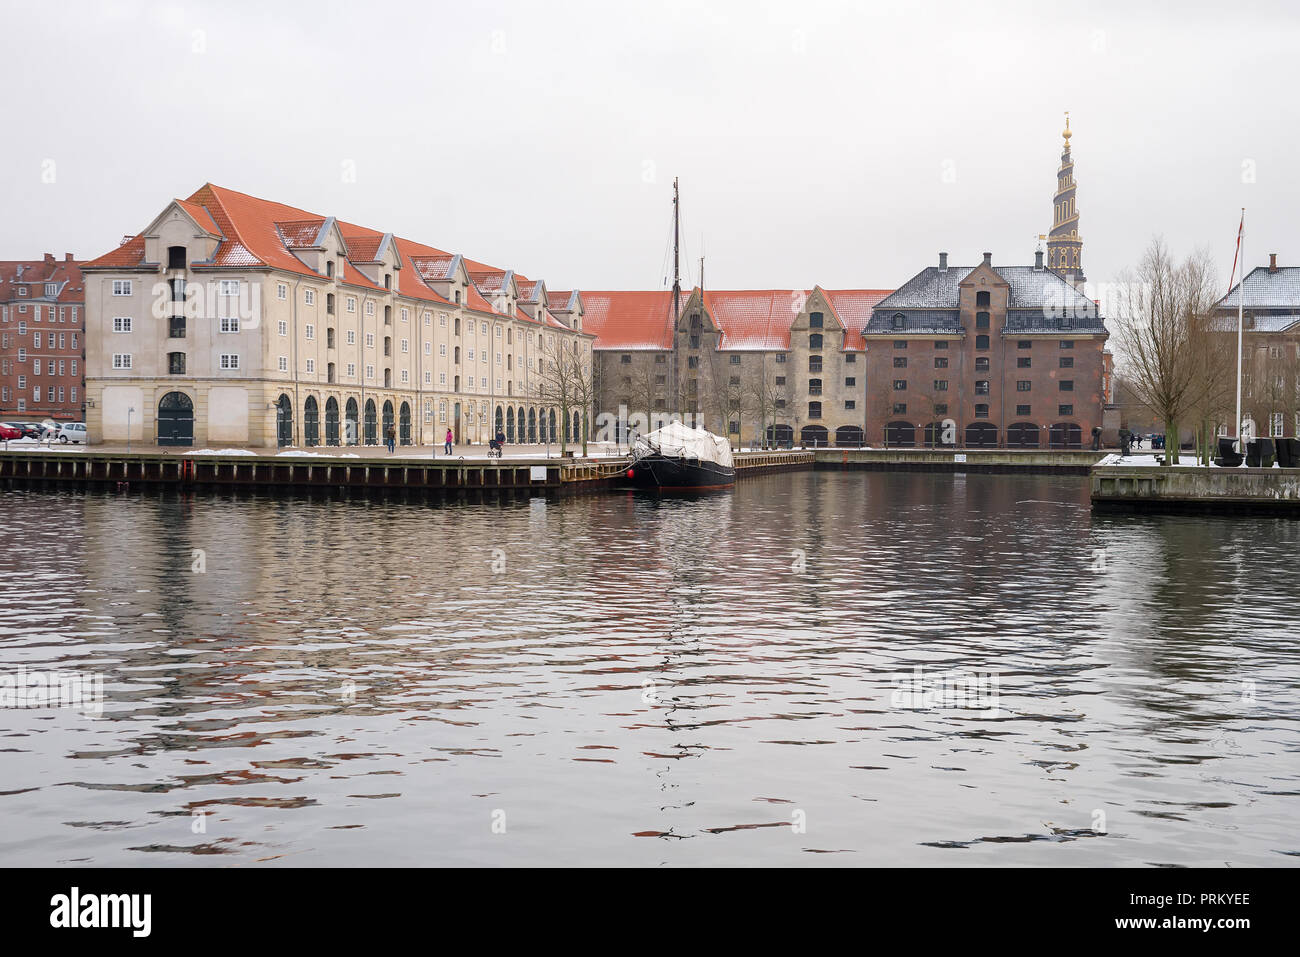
1264 289
1037 297
1228 322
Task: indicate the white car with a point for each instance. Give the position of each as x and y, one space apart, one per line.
72 432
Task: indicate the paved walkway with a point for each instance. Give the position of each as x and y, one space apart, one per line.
368 451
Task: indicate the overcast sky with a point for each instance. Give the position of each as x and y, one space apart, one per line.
832 143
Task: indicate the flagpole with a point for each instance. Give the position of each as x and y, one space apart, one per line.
1241 292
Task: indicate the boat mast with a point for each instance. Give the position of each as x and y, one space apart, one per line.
677 291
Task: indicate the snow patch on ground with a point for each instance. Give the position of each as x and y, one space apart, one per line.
219 452
317 455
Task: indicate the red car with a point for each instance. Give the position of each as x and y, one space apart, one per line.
9 432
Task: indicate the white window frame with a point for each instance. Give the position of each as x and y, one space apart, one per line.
122 287
228 287
228 324
121 360
229 361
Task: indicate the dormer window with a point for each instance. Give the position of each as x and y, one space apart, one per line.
388 280
458 297
900 320
175 257
329 268
814 320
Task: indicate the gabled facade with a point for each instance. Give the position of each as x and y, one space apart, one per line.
985 356
234 320
754 365
1270 309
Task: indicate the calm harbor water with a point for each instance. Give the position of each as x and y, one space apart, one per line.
768 676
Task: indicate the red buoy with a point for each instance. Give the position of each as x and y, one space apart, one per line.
630 473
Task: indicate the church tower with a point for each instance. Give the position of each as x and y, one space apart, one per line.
1064 247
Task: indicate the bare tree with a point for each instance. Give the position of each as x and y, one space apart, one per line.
566 381
765 397
1165 332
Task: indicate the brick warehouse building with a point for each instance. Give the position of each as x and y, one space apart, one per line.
42 330
1009 356
771 364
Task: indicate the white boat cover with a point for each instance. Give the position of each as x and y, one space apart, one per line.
676 439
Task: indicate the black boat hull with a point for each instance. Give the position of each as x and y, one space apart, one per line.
666 474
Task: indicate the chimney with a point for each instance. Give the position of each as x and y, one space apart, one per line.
1272 262
49 257
943 262
988 259
1038 259
67 257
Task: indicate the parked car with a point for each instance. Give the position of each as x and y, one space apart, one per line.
30 430
8 432
72 432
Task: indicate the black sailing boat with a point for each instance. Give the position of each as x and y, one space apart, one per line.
677 457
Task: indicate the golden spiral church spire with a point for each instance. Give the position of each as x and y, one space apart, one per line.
1064 245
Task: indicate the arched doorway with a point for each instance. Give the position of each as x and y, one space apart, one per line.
175 419
331 421
900 435
532 426
388 418
1065 435
498 424
310 422
815 436
455 423
981 435
552 428
404 424
938 434
284 421
849 436
351 431
780 435
1022 435
371 425
510 425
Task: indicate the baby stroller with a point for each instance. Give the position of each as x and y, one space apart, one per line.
494 449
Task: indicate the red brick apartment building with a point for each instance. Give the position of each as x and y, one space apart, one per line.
42 340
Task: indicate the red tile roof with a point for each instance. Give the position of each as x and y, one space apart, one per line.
749 319
260 232
363 249
301 235
35 273
125 256
630 320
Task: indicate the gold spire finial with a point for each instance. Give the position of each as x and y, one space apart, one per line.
1066 132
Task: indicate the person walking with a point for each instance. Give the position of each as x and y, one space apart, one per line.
448 442
390 439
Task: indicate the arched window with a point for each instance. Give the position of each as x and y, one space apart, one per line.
351 427
284 421
310 422
815 341
510 425
404 424
498 423
371 426
331 421
532 426
552 429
